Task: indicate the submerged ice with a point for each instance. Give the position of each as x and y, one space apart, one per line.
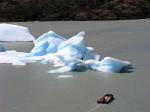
70 54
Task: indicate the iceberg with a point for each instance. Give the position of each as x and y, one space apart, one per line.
69 54
10 32
108 64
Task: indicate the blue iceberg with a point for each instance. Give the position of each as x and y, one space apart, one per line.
73 53
108 64
46 43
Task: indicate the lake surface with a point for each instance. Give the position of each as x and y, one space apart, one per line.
31 89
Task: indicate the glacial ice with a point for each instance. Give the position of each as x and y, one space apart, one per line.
46 43
108 64
10 32
73 47
70 54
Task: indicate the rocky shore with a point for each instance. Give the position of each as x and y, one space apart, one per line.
49 10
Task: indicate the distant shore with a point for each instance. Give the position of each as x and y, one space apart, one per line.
74 10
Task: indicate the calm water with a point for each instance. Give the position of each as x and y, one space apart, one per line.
31 89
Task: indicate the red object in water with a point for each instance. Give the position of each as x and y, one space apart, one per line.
106 99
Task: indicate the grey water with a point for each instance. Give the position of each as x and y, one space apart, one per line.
31 89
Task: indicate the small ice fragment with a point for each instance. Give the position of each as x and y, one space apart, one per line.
61 70
64 76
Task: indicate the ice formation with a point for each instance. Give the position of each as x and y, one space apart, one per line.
9 32
70 54
46 43
108 64
13 57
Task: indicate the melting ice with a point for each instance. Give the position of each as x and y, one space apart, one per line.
50 47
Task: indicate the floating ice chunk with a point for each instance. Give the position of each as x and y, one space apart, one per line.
108 64
2 49
90 48
61 70
9 32
12 57
64 76
73 47
46 43
71 54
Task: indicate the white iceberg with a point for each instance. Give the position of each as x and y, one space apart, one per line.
10 32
